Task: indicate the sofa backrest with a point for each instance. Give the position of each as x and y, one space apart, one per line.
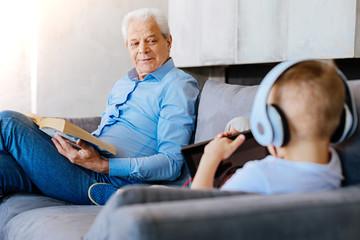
349 150
221 102
89 124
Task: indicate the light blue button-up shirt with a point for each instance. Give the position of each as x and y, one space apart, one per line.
148 122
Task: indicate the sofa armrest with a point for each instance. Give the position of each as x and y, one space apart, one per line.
318 215
146 196
131 195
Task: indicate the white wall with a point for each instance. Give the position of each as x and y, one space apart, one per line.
218 32
15 43
81 53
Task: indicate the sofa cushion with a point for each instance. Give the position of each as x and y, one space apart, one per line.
219 103
60 222
18 203
89 124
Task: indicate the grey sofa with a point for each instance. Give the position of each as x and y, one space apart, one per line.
158 212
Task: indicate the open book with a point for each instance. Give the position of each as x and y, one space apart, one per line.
71 133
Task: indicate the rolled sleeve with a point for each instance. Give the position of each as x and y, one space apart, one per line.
119 167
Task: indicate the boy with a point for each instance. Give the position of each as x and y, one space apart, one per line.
311 95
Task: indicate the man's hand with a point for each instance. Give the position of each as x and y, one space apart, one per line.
86 156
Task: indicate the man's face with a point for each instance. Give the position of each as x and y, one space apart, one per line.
148 49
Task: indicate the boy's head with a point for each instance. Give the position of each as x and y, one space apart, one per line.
311 94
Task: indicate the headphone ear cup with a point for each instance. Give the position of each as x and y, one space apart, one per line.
344 127
279 125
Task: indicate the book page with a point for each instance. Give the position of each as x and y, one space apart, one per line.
35 117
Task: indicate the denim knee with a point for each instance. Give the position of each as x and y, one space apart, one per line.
9 114
11 119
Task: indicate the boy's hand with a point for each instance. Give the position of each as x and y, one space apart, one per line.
225 134
221 147
217 150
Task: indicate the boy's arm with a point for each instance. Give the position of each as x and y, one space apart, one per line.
204 177
216 151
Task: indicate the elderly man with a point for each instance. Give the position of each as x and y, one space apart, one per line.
149 115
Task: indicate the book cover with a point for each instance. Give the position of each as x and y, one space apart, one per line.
71 133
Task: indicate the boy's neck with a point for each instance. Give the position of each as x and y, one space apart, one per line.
307 151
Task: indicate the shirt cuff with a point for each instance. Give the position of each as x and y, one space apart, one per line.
119 167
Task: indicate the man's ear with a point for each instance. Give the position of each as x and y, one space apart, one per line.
272 150
169 41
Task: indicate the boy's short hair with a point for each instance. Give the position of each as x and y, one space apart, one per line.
311 95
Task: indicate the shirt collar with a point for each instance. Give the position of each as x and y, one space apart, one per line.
157 74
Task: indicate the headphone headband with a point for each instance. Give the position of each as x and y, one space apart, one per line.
260 123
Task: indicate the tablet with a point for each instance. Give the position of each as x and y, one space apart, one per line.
249 150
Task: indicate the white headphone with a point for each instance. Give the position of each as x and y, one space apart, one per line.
268 123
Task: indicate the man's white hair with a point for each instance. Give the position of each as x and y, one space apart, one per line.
143 15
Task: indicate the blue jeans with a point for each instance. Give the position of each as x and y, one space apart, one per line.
29 162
